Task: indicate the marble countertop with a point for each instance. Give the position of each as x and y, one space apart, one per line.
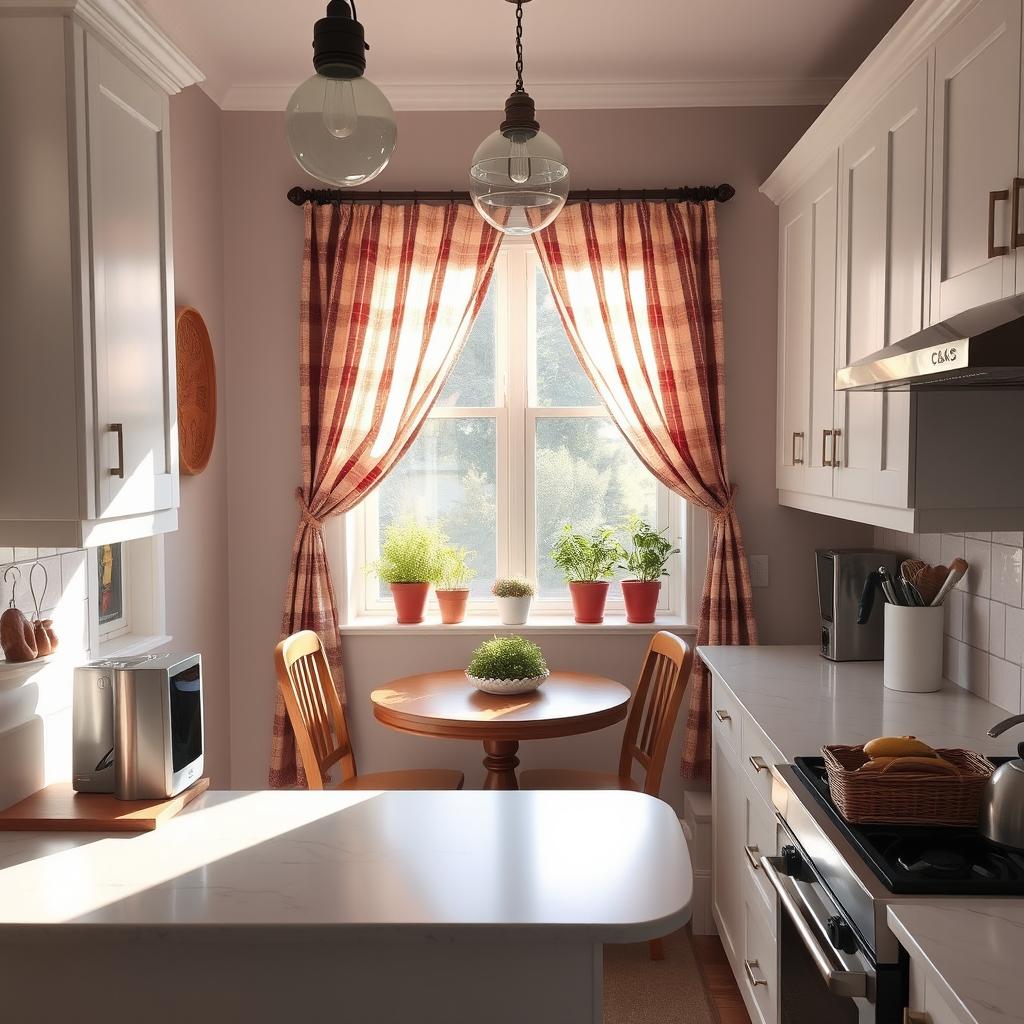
972 951
605 867
970 947
802 701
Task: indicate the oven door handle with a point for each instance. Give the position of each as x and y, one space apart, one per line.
852 984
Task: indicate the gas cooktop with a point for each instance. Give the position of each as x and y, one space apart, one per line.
924 860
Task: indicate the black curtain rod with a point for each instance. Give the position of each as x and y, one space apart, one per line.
687 194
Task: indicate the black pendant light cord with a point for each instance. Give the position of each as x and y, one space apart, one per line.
519 47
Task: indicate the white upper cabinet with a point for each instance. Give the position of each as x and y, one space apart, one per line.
977 114
807 290
927 227
85 277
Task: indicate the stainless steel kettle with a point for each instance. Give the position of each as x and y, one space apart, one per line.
1002 805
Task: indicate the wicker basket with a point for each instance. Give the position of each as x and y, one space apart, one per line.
907 798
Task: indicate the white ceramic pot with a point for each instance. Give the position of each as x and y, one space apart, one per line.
507 686
913 649
513 611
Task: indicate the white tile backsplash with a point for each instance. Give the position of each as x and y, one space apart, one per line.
984 622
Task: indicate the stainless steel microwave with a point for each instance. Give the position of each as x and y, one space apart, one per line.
138 726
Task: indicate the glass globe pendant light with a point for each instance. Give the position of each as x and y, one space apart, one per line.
519 181
341 128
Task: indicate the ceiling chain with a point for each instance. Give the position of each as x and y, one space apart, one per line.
519 47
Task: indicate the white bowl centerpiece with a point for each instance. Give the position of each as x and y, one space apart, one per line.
507 664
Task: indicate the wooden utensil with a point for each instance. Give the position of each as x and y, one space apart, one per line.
929 580
957 568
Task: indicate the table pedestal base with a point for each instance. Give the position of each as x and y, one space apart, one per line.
501 763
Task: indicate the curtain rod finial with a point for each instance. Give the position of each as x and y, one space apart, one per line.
297 195
725 193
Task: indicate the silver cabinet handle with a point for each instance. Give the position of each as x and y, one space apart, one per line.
759 763
753 965
993 249
915 1017
825 435
723 716
754 856
118 429
843 983
792 450
836 434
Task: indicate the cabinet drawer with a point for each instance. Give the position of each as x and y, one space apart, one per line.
757 756
759 840
725 715
760 971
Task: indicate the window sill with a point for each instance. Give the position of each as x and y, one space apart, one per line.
485 625
131 645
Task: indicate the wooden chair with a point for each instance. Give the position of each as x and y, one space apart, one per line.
652 717
321 732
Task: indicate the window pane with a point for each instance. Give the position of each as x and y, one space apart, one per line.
587 476
448 477
560 378
472 381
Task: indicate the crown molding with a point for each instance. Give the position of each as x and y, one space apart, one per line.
568 96
907 42
122 25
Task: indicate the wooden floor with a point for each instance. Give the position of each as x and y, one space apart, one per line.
724 996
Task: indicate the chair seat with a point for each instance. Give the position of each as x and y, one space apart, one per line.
566 778
417 778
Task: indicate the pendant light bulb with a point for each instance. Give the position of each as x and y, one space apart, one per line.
518 180
340 126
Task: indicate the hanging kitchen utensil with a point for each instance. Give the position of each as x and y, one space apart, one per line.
17 637
957 569
42 629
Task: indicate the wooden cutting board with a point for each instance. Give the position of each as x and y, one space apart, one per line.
58 808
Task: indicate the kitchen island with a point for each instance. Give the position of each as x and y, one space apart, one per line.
369 907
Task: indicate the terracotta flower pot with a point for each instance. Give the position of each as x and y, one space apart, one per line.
453 605
641 599
588 600
410 601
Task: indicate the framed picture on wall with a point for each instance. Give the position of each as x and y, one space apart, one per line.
112 570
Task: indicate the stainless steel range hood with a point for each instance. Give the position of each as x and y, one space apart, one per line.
983 347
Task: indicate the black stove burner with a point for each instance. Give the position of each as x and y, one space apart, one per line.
914 859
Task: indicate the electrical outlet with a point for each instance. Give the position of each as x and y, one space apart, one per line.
759 575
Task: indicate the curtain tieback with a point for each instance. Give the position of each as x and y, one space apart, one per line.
307 517
726 510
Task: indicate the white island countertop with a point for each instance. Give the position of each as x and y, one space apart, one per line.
969 947
607 867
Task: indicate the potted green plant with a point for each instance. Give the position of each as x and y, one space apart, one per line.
507 664
408 563
450 584
588 564
513 595
645 560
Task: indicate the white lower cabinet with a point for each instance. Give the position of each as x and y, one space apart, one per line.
927 1006
743 830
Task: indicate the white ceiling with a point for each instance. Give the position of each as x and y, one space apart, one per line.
458 54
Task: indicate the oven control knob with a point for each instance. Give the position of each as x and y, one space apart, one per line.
841 936
792 862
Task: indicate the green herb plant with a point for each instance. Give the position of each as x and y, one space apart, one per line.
453 569
512 586
649 552
507 657
584 559
410 553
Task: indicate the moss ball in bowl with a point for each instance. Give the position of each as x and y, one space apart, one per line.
507 664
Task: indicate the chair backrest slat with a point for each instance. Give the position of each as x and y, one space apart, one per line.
654 708
314 708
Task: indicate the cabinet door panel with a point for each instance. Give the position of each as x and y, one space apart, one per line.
807 267
883 192
727 834
977 103
132 341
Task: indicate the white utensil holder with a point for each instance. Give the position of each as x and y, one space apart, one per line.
913 649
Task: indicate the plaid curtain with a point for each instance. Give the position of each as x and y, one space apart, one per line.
389 292
638 289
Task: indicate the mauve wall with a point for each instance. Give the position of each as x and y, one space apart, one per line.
262 245
196 555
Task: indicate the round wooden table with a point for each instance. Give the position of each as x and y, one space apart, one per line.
446 704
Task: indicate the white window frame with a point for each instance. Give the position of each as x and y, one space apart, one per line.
355 540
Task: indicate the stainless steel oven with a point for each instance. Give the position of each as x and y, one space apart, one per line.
838 962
